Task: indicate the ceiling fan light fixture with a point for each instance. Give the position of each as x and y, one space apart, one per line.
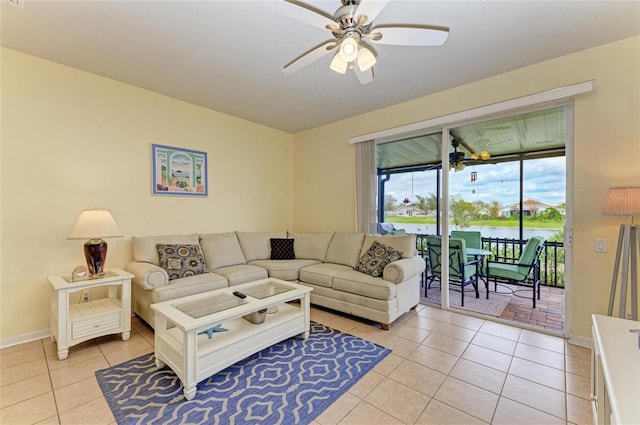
475 155
485 155
349 49
366 59
338 64
457 166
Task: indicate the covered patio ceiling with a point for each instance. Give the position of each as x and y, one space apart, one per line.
531 135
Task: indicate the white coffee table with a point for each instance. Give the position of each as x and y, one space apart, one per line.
182 343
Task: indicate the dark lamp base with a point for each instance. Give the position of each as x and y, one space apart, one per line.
95 252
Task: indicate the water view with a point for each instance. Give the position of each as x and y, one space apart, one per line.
487 231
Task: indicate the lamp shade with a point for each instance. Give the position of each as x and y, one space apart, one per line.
349 49
338 64
623 201
366 59
95 224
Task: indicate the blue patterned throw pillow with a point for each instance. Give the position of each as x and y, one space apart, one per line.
376 259
282 249
181 260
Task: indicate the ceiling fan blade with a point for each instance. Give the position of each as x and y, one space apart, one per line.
364 77
370 8
309 57
409 36
302 12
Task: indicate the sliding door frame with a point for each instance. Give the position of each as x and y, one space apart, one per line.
562 96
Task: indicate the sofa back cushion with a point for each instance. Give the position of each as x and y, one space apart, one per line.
311 246
221 250
257 245
345 248
145 250
404 243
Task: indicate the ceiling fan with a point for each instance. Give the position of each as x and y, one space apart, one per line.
456 158
352 27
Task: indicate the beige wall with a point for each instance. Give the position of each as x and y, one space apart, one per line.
607 153
73 140
61 125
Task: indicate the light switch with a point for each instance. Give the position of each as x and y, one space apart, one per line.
601 245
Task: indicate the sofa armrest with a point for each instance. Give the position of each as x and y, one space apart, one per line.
403 269
146 275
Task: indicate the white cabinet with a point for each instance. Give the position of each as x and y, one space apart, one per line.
615 371
72 324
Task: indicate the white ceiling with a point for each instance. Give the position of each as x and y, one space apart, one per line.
228 55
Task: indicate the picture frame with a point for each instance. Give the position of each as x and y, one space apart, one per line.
178 171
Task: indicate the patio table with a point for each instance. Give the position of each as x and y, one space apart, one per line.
481 254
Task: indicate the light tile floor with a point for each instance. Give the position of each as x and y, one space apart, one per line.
446 368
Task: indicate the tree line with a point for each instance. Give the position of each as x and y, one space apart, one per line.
464 212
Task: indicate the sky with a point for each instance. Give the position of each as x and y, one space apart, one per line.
544 181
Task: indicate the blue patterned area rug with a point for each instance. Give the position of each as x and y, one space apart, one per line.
291 382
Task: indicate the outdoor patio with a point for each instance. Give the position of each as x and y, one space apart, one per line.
512 302
548 314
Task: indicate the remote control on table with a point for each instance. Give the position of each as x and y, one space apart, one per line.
239 294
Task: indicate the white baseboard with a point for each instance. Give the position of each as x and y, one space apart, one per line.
21 339
580 340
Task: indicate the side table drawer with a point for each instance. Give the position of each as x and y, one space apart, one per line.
86 327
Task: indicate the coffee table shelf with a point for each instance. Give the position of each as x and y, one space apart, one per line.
195 357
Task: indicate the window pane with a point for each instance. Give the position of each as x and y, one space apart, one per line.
410 201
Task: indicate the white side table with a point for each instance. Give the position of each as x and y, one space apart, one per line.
72 324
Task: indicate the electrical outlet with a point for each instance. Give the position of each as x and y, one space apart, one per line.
85 296
627 315
600 245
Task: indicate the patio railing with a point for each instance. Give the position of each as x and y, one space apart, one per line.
505 249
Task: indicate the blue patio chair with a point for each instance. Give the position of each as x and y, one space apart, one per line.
526 271
461 271
473 239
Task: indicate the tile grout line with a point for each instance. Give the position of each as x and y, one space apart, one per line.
53 393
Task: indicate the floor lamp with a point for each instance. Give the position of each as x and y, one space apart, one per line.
625 201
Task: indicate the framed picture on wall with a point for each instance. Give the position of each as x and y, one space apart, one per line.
178 171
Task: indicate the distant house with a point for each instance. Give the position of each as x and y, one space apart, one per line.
407 210
530 208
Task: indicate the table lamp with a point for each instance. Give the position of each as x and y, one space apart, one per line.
625 201
94 225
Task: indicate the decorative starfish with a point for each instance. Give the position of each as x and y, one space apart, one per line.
210 331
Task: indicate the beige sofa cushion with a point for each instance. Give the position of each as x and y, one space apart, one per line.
188 286
257 245
284 269
345 248
242 273
404 243
361 284
144 248
311 246
221 250
322 274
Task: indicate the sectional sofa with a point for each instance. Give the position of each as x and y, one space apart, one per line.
323 261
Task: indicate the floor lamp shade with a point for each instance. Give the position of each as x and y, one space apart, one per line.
95 225
625 201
